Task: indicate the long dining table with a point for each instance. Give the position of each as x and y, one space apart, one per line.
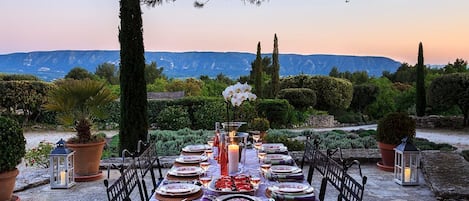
249 163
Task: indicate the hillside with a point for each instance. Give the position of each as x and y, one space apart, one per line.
50 65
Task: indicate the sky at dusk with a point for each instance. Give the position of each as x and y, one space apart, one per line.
390 28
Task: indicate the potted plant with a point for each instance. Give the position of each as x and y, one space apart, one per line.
261 125
391 130
78 103
12 150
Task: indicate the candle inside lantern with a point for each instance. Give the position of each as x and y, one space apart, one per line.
62 177
233 158
232 133
407 173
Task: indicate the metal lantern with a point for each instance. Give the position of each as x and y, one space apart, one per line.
406 165
61 166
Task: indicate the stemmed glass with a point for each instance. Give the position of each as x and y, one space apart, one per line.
205 166
205 180
256 137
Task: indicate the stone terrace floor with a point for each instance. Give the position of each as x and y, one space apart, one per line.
438 177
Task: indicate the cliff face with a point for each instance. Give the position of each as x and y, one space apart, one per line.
55 64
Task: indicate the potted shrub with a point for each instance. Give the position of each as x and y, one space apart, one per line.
12 150
261 125
391 130
78 103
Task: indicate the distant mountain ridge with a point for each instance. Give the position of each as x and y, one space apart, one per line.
50 65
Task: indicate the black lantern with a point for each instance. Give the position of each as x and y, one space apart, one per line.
61 166
406 165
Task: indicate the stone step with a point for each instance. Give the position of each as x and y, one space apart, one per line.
447 174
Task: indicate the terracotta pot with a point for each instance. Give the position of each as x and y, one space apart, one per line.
387 156
7 183
87 160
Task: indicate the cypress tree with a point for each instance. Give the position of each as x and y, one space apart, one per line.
275 69
420 84
133 101
258 72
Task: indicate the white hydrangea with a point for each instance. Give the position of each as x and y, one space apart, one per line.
238 93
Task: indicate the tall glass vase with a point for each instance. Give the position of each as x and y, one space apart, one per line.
235 141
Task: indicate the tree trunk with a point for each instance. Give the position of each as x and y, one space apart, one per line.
134 114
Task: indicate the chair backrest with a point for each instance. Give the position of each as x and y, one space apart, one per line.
146 163
122 188
351 189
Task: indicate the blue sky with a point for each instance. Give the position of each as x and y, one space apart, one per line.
391 28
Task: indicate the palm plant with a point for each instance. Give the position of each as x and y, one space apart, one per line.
79 103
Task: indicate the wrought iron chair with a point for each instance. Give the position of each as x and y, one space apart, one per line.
121 189
351 189
331 170
146 163
309 155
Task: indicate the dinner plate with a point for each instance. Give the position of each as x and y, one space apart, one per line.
284 169
196 148
213 188
277 157
185 171
191 159
290 187
237 197
273 146
178 189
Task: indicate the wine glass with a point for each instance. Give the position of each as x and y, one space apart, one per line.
205 180
258 145
261 155
209 153
256 137
255 178
210 143
205 166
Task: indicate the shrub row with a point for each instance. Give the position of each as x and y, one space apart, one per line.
202 113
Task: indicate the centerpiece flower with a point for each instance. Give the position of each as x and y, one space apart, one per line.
234 96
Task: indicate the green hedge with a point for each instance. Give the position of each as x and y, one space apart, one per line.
27 96
277 111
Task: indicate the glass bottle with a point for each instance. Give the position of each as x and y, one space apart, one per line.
223 156
216 140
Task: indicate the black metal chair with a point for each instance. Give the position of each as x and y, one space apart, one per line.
351 189
122 188
331 170
309 155
146 163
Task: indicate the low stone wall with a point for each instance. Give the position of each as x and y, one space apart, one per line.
322 121
363 155
437 121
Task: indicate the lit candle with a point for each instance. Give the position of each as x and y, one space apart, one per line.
233 158
407 174
232 133
62 177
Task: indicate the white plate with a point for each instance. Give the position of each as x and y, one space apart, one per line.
185 171
277 157
272 146
196 148
283 169
290 187
191 159
213 188
237 197
178 189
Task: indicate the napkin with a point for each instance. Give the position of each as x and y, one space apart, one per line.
292 197
276 151
289 161
285 177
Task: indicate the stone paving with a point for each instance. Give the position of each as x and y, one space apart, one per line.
380 186
444 176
